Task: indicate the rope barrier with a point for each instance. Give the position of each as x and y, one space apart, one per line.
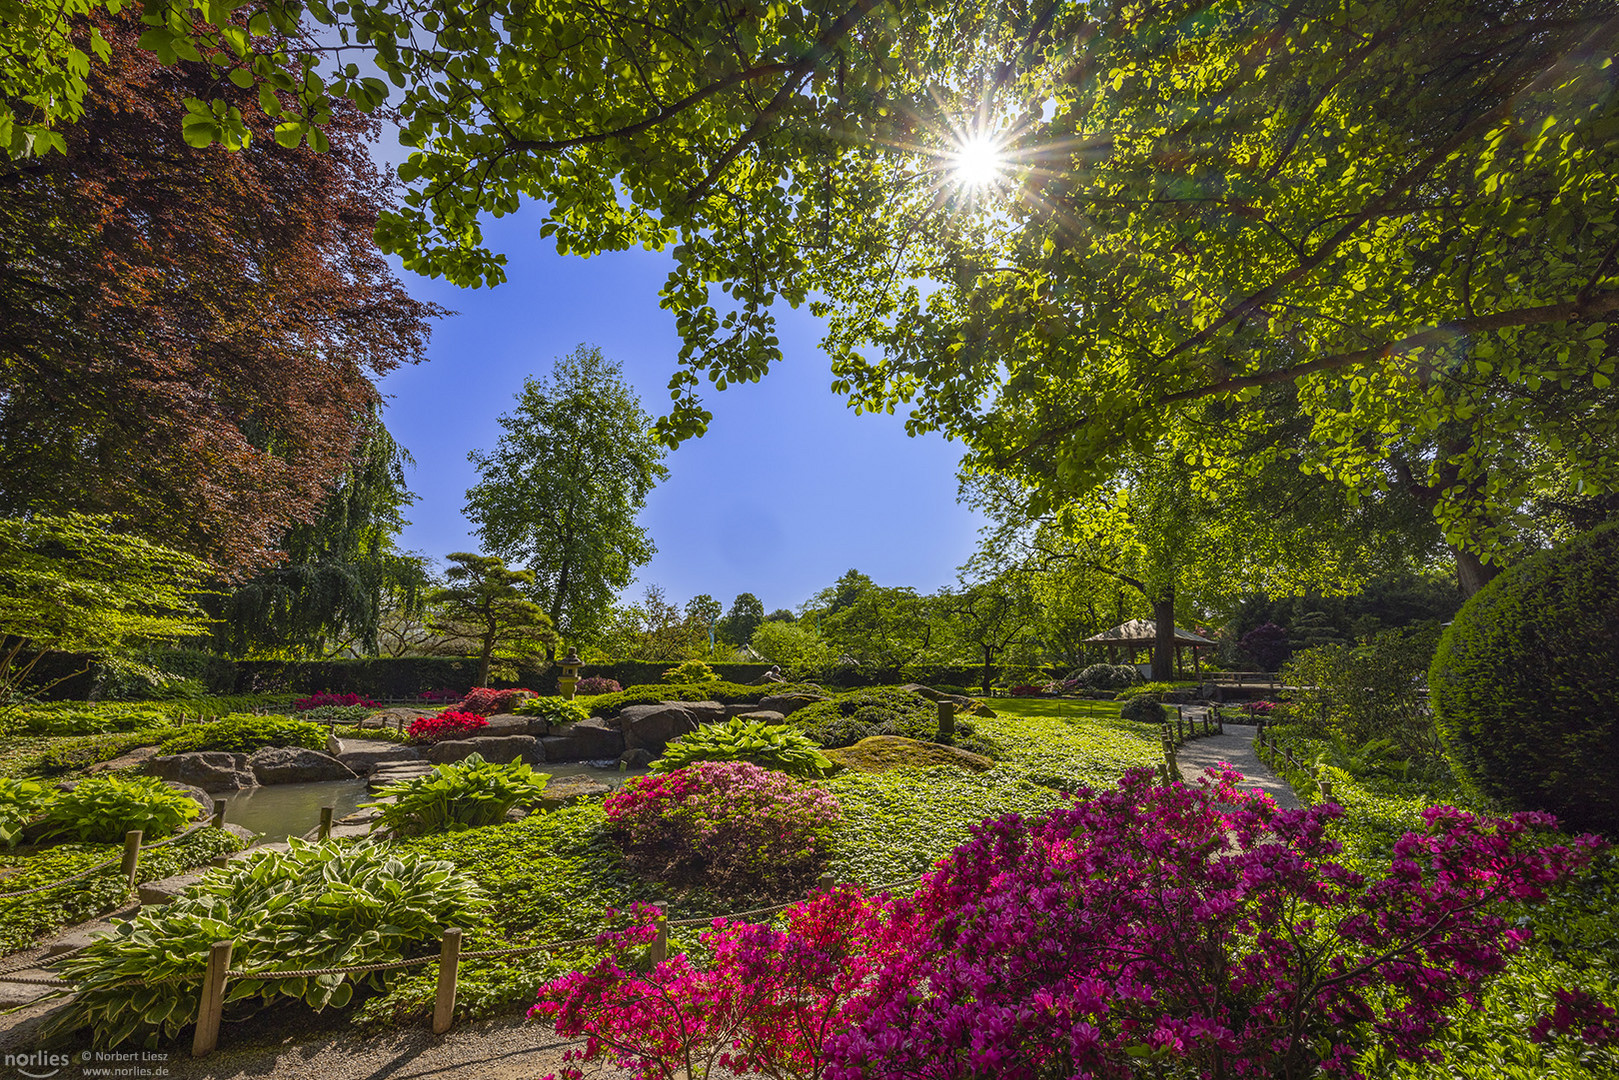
100 866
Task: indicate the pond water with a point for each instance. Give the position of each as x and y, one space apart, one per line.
282 810
278 811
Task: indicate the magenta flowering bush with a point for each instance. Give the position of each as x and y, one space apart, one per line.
736 828
487 701
1143 930
766 1002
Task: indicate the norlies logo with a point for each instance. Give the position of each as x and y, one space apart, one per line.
37 1064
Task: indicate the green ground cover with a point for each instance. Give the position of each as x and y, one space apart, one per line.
1576 935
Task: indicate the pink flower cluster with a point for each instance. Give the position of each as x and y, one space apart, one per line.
1197 929
446 725
441 697
732 826
326 697
1578 1013
486 701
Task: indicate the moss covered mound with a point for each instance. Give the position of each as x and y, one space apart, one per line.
880 753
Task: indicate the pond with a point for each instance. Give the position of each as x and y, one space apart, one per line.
277 811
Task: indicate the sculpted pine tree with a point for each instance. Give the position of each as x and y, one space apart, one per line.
483 601
188 337
561 491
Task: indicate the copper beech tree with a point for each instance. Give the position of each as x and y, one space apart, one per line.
188 336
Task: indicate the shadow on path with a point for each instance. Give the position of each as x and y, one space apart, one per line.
1236 748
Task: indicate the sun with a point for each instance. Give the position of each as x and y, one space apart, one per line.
978 161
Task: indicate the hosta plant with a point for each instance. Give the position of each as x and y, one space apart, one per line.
732 827
772 746
243 733
20 802
465 795
102 809
449 724
555 710
315 906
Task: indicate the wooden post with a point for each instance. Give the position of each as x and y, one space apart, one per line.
326 823
219 813
947 720
132 856
828 882
212 1005
660 944
449 963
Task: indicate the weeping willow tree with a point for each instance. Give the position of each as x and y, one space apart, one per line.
342 572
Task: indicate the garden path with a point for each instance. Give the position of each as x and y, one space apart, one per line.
1235 747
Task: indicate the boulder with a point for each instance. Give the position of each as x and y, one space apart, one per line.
639 758
500 749
650 727
587 740
210 770
787 704
296 765
763 716
704 712
739 708
365 762
571 789
504 724
936 695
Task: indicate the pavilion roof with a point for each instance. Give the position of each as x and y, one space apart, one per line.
1143 632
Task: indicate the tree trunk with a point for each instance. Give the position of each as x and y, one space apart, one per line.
1473 573
484 659
556 611
989 659
1163 648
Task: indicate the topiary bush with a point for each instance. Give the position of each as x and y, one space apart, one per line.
862 714
731 827
102 809
1143 708
1108 677
772 746
1525 684
243 733
723 692
691 671
466 795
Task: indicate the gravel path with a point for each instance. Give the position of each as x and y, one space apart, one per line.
1236 748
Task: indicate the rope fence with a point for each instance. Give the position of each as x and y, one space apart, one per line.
1190 722
1269 745
130 858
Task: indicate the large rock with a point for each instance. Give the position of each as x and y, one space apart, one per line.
500 749
639 758
739 708
211 770
704 712
650 727
133 759
787 704
365 762
296 765
503 724
763 716
588 740
571 789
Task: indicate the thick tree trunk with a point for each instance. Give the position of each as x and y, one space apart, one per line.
556 610
989 660
484 659
1163 649
1473 573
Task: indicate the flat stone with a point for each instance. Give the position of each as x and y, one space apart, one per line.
571 789
366 761
740 707
360 817
167 889
500 749
762 716
639 758
585 741
131 760
209 770
704 712
296 765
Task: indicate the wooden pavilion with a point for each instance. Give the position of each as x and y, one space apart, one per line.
1125 642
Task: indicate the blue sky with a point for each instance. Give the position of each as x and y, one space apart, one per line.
788 489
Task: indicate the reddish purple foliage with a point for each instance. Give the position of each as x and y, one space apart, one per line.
487 702
1578 1013
597 684
326 697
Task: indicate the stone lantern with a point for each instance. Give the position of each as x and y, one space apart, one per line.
570 673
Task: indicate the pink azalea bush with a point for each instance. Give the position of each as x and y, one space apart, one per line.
731 826
486 701
597 684
326 697
1178 930
446 725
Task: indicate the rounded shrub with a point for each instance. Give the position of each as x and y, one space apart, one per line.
1525 684
1108 676
1143 708
243 733
731 827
